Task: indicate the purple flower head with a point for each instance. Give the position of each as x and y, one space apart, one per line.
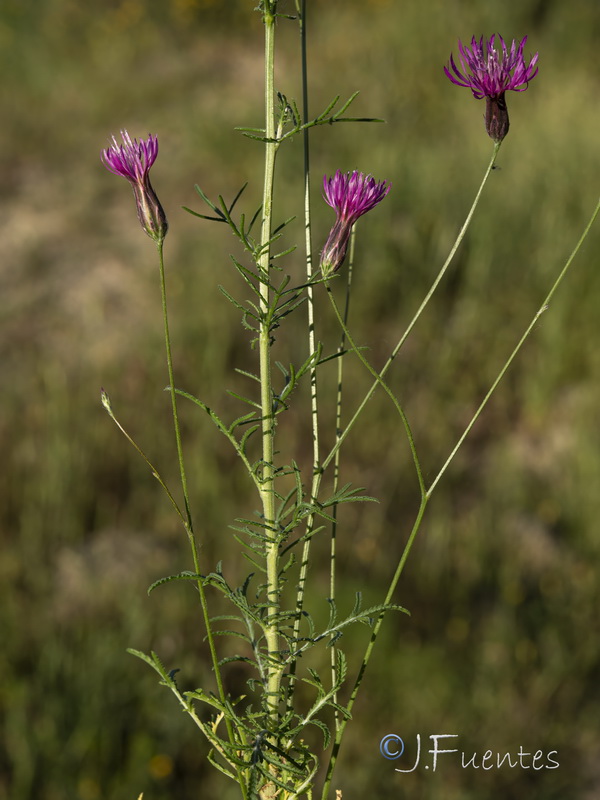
132 160
351 195
490 71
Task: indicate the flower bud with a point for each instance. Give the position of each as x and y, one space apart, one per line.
496 117
150 212
351 196
336 247
132 160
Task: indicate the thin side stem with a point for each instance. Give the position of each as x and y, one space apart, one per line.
377 627
189 526
379 381
340 729
420 310
107 405
172 392
511 358
425 499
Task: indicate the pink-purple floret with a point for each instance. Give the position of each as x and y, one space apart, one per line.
353 194
491 74
132 159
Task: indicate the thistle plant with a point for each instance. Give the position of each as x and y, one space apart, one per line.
262 741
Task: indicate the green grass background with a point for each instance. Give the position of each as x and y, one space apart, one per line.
502 646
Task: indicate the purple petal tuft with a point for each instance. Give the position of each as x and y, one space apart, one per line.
491 69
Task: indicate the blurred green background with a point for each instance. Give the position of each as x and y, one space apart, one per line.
502 647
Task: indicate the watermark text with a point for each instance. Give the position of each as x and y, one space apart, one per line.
414 754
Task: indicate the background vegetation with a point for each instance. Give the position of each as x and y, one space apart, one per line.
502 645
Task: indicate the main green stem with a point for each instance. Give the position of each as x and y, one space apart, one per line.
267 490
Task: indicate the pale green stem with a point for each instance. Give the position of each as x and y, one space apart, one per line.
379 380
189 526
314 408
266 392
420 310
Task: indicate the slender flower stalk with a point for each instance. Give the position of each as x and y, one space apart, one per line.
490 71
461 235
351 196
132 160
340 730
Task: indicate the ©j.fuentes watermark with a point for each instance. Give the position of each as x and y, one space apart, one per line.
392 747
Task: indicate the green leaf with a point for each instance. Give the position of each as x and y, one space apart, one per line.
281 226
237 197
230 659
154 661
341 668
208 202
254 218
249 130
230 632
209 699
138 654
265 139
244 399
246 436
330 107
244 419
250 375
180 576
346 105
325 730
211 758
237 304
203 216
